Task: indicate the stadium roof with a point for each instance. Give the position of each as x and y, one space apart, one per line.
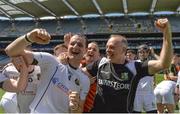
36 9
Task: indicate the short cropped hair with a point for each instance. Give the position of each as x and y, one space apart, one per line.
123 39
144 47
82 36
59 46
131 51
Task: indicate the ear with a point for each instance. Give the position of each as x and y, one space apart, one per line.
124 50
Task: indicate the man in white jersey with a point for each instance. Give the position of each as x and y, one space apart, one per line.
145 98
25 97
59 83
9 82
9 99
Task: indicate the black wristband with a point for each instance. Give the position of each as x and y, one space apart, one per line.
26 38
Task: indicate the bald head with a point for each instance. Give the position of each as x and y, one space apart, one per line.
116 48
121 40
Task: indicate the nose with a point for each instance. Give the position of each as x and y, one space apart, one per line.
90 50
108 49
76 45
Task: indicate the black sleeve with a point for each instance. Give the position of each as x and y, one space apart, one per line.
1 84
93 67
142 68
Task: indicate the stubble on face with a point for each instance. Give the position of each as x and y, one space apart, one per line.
76 48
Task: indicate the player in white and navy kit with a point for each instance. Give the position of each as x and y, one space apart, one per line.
24 98
9 99
58 81
10 83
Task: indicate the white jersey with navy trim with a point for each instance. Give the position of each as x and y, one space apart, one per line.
25 97
56 82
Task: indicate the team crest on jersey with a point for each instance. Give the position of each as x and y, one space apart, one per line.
55 80
77 81
124 76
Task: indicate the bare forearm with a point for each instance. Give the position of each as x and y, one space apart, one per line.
16 48
174 78
164 60
22 82
18 85
166 52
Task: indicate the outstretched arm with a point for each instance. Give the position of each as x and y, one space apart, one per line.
164 60
17 47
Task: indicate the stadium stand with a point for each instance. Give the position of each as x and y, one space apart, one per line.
97 19
138 29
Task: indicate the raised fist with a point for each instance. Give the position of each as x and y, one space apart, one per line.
39 36
74 100
162 24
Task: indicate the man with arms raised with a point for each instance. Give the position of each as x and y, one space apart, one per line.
63 88
117 79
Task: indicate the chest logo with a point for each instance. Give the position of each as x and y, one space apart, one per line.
124 76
